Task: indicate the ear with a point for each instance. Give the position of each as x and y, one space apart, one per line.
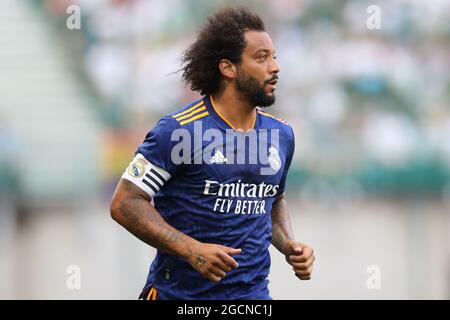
227 69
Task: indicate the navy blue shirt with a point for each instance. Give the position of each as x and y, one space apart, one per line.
216 185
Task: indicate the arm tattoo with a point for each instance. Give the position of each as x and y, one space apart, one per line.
201 261
142 220
281 224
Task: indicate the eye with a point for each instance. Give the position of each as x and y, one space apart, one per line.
263 57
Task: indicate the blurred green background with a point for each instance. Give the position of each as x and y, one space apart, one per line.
370 180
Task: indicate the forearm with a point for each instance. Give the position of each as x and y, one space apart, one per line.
281 224
140 218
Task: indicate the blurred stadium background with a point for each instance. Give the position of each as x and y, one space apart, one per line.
370 183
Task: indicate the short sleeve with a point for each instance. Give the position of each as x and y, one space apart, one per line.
152 166
158 145
289 156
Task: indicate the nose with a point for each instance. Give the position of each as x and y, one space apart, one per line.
274 67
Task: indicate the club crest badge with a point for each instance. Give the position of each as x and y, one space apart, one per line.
137 168
274 159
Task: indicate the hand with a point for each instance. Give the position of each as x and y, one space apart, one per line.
212 261
300 257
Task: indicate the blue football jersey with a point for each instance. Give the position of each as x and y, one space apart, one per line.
217 185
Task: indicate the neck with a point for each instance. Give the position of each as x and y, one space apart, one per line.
235 110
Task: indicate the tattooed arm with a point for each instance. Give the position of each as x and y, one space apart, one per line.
131 208
300 256
281 224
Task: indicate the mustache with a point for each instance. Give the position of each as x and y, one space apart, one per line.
274 77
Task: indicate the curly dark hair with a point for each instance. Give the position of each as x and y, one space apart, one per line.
222 37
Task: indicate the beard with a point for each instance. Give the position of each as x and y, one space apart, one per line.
252 90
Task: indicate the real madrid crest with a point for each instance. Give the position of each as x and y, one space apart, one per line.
137 168
274 159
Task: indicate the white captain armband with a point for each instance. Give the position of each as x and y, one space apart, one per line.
145 175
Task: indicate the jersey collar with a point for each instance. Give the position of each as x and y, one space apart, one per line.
224 124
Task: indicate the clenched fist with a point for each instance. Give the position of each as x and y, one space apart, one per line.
212 261
301 257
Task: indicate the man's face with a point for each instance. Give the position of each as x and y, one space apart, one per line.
257 73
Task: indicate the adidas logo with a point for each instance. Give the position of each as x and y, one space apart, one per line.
218 158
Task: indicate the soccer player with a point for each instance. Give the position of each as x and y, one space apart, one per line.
210 206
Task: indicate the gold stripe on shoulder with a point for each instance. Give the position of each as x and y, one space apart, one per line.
199 116
271 116
266 114
188 110
190 113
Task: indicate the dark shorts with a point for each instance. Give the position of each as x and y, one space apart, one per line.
150 293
